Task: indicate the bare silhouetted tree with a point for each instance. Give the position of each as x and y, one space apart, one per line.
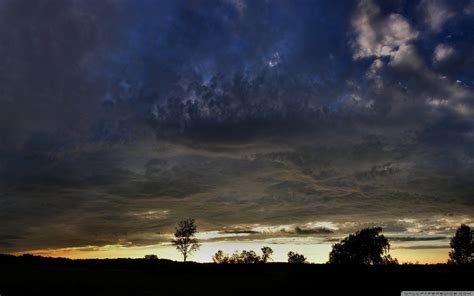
365 247
184 238
462 244
296 258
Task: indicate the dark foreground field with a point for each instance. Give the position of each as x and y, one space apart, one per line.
46 276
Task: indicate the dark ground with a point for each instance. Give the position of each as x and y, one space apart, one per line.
47 276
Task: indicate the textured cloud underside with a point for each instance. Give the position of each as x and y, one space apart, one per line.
260 119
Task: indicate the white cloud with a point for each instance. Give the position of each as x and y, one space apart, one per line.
366 34
437 102
379 36
374 73
456 97
436 13
407 57
151 215
442 53
274 60
396 31
376 65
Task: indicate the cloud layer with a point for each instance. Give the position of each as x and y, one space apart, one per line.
262 120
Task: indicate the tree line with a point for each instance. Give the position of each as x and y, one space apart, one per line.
365 247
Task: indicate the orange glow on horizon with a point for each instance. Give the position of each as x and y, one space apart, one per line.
316 253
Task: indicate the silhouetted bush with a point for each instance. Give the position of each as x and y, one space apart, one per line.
245 257
388 260
219 257
296 258
250 257
151 257
365 247
463 246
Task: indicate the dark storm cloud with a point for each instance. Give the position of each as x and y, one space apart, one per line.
44 70
191 68
118 118
197 76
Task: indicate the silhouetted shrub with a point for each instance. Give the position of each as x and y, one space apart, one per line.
250 257
296 258
463 246
388 260
151 257
365 247
244 257
219 257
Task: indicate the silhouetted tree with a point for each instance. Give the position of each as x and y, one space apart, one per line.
267 253
365 247
463 246
294 257
185 240
151 257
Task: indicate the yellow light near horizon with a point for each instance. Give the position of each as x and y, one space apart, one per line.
316 253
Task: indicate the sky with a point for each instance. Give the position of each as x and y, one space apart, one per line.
288 124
